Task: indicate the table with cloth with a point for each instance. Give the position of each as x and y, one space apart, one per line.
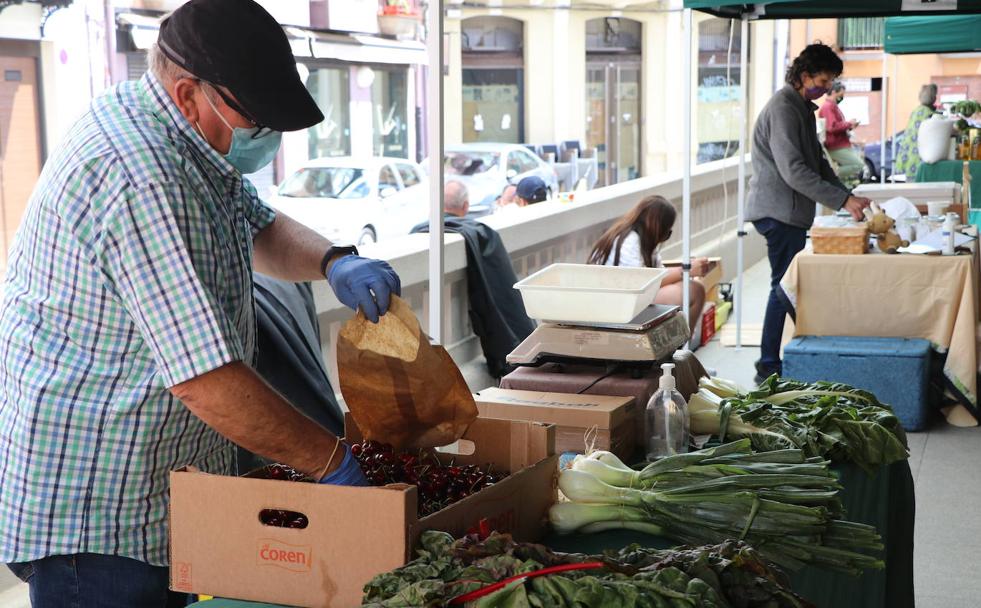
895 296
884 499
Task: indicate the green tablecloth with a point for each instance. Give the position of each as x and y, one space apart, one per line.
885 500
953 171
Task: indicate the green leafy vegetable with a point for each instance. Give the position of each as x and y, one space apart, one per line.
834 421
727 575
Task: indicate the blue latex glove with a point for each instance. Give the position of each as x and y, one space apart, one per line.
365 283
349 473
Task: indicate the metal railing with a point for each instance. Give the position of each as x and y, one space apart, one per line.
857 34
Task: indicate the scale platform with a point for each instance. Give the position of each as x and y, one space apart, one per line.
651 336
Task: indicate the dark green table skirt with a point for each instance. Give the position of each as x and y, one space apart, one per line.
952 171
885 500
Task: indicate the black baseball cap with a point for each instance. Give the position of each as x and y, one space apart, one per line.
238 45
532 189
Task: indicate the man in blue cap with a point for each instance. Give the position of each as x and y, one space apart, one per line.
127 325
531 190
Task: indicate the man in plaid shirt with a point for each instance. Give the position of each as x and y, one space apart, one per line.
127 326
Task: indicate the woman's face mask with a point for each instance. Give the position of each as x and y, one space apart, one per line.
815 87
252 148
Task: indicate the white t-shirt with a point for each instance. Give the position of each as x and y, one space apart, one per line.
630 255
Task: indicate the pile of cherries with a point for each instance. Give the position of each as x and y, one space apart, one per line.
439 485
278 517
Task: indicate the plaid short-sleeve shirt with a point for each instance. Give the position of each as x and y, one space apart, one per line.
130 273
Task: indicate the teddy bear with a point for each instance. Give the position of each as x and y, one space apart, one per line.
881 225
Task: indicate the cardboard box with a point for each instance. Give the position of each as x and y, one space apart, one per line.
711 279
614 418
219 547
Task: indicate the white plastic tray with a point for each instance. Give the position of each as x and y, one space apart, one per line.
581 293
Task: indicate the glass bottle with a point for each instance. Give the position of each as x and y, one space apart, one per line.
666 419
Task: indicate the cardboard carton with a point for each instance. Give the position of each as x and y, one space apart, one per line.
614 419
219 547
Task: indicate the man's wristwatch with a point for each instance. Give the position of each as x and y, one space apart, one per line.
336 251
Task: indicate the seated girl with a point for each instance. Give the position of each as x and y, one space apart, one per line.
633 241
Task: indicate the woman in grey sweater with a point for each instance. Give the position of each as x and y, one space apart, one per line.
790 174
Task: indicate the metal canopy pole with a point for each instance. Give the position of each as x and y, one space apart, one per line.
686 161
883 157
434 143
741 197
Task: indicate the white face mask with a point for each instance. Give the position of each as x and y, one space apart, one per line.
251 149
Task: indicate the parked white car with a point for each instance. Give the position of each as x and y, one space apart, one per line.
486 168
355 200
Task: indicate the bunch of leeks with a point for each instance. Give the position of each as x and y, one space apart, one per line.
781 502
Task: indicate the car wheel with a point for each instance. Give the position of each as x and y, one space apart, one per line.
869 174
367 237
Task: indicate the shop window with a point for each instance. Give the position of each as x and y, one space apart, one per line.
390 124
718 118
330 88
493 79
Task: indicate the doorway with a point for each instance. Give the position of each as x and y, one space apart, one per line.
613 98
613 119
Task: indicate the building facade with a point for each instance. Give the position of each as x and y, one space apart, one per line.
550 72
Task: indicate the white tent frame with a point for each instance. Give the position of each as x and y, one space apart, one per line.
688 27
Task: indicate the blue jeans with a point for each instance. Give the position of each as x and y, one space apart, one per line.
90 580
783 242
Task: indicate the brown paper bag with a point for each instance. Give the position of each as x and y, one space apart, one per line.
400 388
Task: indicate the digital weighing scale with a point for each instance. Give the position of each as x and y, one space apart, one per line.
653 335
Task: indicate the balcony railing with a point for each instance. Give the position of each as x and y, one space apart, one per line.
861 33
545 233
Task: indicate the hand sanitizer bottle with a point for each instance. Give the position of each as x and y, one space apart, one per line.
666 419
948 231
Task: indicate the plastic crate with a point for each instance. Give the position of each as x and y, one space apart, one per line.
895 370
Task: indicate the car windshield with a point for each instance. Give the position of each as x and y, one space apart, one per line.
325 182
469 163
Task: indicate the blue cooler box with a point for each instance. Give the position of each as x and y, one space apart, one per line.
895 370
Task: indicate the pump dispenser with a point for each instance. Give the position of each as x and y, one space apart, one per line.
666 418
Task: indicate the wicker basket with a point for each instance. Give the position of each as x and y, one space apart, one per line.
850 240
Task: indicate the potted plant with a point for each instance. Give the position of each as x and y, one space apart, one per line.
399 18
965 110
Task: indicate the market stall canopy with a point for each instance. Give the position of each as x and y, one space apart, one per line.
936 34
802 9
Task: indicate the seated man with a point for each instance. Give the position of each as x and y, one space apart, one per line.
507 200
531 190
456 199
497 311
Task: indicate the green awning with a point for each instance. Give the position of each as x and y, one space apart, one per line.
802 9
938 34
